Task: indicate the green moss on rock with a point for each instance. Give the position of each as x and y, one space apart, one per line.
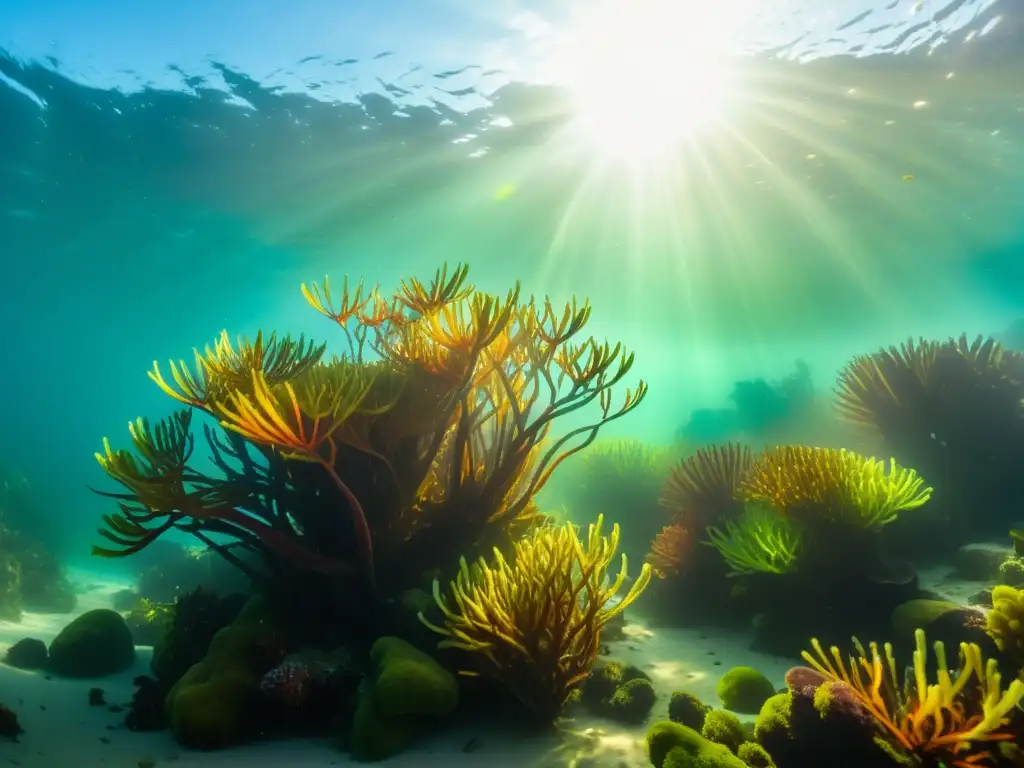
95 644
744 690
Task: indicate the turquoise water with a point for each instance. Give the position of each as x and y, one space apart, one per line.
167 175
759 184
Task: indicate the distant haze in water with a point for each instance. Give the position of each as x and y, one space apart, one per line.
842 204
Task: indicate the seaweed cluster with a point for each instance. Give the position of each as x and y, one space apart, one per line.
795 522
427 440
533 622
952 409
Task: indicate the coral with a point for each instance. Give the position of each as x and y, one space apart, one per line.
760 541
932 403
429 438
686 709
952 719
744 690
723 728
754 755
700 490
214 704
96 643
408 690
671 745
703 487
305 680
27 653
1005 622
670 550
533 623
834 485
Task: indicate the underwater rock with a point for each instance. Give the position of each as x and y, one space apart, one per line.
310 687
185 636
146 712
631 702
949 622
27 653
979 562
686 709
981 599
95 644
744 690
671 745
618 692
819 723
10 728
407 691
1005 622
216 703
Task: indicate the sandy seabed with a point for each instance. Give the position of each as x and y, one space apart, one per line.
63 731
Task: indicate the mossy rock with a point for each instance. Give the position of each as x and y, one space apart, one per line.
671 745
619 692
723 728
774 721
27 653
686 709
948 622
754 755
215 703
95 644
409 690
744 690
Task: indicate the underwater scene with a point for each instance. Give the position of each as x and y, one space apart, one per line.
529 384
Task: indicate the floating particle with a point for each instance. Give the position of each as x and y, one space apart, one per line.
505 191
908 177
920 104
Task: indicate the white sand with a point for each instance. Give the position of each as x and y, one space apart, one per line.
63 731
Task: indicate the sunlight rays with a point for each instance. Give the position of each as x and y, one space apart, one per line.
673 72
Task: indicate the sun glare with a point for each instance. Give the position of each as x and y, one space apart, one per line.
644 74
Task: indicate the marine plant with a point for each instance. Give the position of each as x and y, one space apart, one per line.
533 622
759 541
949 408
951 721
792 491
1005 622
837 486
428 437
700 489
